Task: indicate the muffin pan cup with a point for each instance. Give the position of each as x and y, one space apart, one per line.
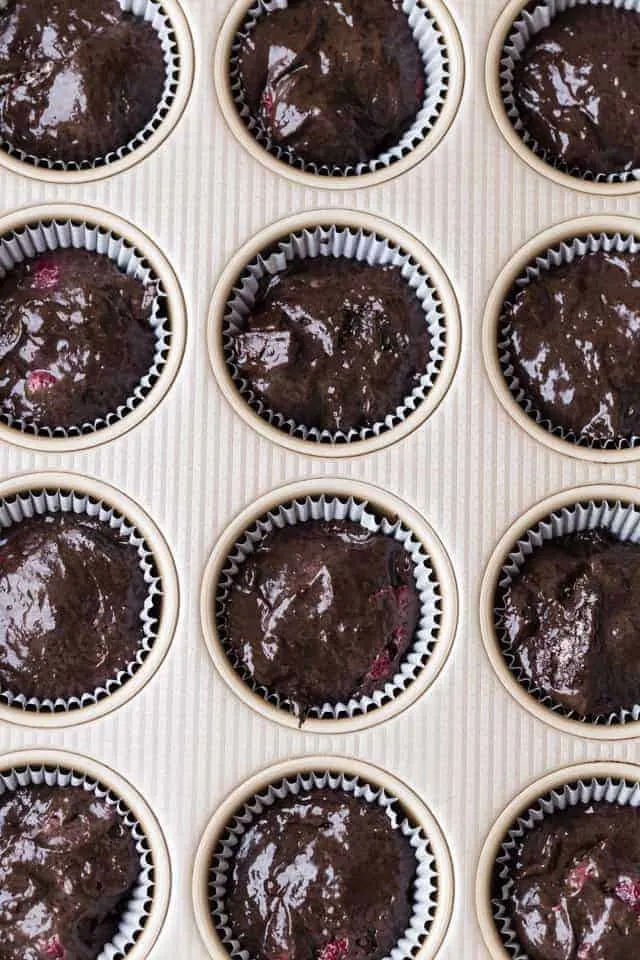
327 498
440 46
559 244
356 236
170 23
615 508
36 230
513 31
434 887
42 493
144 915
608 782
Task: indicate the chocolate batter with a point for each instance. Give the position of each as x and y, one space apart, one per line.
323 611
336 82
78 79
573 616
75 338
577 885
321 876
68 866
71 596
575 345
334 344
577 89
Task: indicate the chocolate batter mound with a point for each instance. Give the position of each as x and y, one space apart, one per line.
321 876
575 345
68 866
75 338
78 78
323 611
577 89
573 616
577 885
71 596
334 344
337 82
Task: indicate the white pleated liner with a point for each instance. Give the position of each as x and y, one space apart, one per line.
152 13
46 236
136 912
568 251
518 39
581 793
622 520
426 887
357 511
42 502
435 57
351 244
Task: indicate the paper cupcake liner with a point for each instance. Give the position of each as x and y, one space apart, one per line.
37 238
32 503
152 13
136 913
340 242
524 29
565 253
621 520
435 57
357 511
579 793
426 887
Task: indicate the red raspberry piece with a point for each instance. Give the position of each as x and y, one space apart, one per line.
267 104
399 635
335 950
46 275
403 595
53 948
578 876
40 380
629 892
381 667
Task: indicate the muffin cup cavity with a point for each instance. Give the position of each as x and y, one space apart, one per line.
437 38
614 783
145 911
433 889
615 509
363 239
39 230
562 244
42 494
337 500
169 22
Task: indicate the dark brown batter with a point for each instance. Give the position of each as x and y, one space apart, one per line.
336 82
574 341
75 338
334 344
573 616
68 866
71 596
577 89
323 611
321 876
577 885
78 79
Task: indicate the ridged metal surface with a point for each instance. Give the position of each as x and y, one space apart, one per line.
186 741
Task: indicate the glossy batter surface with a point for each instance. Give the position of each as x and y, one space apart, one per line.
323 611
75 338
577 89
573 616
334 344
577 891
78 78
575 345
68 865
337 81
321 876
71 596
